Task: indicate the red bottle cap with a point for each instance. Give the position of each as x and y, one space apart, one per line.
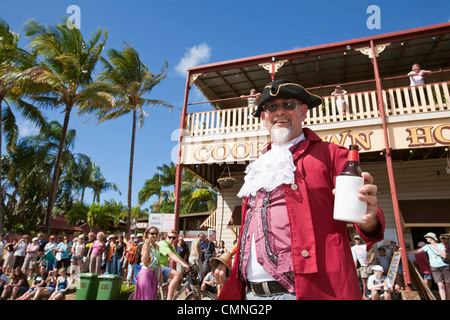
353 154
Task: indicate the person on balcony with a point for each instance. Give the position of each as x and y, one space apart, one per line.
290 247
417 75
252 98
340 102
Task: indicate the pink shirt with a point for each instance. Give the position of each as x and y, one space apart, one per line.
97 248
32 247
267 222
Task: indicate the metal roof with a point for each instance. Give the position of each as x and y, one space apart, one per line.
320 68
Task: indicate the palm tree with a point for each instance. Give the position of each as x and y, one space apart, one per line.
62 79
27 173
129 80
81 174
12 61
155 186
196 195
99 184
86 174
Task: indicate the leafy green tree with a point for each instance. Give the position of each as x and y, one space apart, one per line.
127 78
13 60
196 195
27 174
62 79
99 184
155 186
84 174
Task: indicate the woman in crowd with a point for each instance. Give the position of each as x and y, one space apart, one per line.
221 249
95 253
109 252
18 285
63 249
20 251
147 278
440 269
77 255
48 288
62 285
118 256
131 257
423 264
31 254
8 265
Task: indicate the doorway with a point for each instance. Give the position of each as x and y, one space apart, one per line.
418 233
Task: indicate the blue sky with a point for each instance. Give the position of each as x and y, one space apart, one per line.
186 33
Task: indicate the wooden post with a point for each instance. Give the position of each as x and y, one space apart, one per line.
397 214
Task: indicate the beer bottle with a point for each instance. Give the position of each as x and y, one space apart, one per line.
347 206
352 167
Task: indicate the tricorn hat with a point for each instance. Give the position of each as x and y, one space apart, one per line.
285 89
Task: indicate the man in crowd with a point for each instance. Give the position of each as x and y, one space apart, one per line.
169 252
195 255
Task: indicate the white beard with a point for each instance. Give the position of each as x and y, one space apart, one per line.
281 135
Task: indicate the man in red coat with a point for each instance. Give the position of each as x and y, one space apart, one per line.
290 247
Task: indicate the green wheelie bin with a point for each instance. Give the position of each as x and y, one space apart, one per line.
109 286
88 287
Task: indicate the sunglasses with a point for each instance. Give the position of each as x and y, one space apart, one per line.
153 233
272 107
171 237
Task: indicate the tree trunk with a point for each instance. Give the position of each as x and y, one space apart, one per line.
56 173
130 172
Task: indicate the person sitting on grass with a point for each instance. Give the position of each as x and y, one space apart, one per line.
62 285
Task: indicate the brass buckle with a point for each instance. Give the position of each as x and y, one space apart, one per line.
266 289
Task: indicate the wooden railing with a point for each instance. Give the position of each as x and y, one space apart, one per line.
222 121
211 221
358 106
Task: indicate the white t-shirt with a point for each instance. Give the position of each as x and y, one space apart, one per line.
416 80
78 247
20 251
50 246
359 253
4 278
373 281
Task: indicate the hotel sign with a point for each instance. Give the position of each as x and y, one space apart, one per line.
371 138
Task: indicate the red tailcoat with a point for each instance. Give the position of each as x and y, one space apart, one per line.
323 263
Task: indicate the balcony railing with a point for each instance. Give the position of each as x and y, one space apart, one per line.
358 106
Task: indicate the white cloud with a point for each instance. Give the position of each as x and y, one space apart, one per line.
194 56
26 128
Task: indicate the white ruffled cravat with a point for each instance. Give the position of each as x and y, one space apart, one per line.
271 169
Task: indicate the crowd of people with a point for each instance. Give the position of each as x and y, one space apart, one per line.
53 264
430 258
165 260
48 267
